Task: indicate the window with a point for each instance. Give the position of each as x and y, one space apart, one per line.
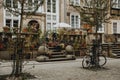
119 3
48 5
12 3
74 2
15 4
48 26
72 20
8 3
77 1
15 23
30 2
12 23
54 6
36 1
114 27
54 28
8 22
52 14
54 17
88 3
101 28
115 4
48 17
75 21
51 6
8 13
10 19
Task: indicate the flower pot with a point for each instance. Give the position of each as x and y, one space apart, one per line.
25 30
6 29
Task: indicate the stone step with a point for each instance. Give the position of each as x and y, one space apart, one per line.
115 48
55 48
61 59
56 59
118 56
57 56
111 45
56 53
116 52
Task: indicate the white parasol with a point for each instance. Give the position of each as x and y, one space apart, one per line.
62 25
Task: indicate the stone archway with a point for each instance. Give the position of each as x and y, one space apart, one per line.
34 24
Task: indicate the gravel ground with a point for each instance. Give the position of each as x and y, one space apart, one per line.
67 70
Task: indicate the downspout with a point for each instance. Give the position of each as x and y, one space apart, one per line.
65 11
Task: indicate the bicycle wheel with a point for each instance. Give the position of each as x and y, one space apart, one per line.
86 61
102 60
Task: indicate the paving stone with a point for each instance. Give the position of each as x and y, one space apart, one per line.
69 70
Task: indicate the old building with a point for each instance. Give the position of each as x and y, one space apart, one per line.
57 11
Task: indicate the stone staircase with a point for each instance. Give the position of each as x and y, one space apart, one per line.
55 54
114 48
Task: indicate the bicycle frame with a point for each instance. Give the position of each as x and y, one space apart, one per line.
94 59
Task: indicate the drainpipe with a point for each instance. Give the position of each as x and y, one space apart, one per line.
65 11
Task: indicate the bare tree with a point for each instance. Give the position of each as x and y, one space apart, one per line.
22 8
94 12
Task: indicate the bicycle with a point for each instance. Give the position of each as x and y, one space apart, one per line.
94 60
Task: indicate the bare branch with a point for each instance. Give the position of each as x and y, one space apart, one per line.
97 9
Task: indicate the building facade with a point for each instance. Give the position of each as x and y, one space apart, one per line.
49 14
57 11
13 19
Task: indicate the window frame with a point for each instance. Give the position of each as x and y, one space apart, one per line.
74 2
74 23
15 23
51 6
101 28
8 24
52 16
11 3
8 3
114 24
11 24
116 4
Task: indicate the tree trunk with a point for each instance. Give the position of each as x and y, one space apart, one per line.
17 63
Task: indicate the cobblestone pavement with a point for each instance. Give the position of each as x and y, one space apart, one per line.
67 70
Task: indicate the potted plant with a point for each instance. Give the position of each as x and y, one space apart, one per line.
6 29
25 29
